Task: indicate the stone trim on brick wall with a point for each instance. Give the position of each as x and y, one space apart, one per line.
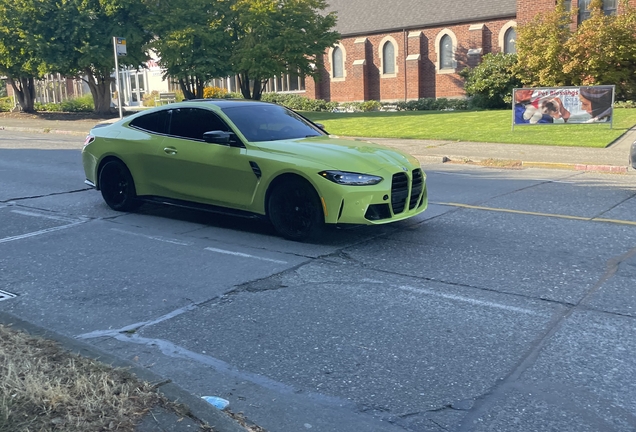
438 39
344 63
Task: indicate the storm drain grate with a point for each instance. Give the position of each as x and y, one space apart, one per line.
6 295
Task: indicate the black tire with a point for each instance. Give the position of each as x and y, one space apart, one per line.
295 211
117 186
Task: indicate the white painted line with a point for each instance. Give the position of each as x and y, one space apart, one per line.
497 178
469 300
161 239
244 255
37 233
4 295
45 216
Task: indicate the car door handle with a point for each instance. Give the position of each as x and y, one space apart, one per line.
170 150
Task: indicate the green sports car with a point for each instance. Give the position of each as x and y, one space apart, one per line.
251 158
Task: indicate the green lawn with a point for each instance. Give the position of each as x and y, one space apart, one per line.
478 126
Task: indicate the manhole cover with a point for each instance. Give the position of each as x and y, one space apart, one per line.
6 295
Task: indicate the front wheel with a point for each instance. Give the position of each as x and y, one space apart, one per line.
117 186
295 211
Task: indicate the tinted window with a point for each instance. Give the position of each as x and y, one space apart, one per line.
192 123
338 69
153 122
510 42
388 54
446 52
268 122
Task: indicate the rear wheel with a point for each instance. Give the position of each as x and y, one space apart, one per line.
295 211
117 186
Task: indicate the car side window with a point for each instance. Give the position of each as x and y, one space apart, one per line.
156 122
192 123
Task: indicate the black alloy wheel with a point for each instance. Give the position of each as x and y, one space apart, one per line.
295 211
118 187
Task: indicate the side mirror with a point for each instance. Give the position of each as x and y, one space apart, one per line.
217 137
320 125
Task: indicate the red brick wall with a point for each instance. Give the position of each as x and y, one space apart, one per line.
419 78
414 78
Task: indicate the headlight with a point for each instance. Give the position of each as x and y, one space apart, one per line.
351 179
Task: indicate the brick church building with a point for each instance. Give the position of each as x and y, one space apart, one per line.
411 49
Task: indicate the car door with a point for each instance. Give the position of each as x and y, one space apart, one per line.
191 169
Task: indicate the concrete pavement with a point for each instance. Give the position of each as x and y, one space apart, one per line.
612 159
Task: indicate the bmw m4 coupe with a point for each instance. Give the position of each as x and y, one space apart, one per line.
252 159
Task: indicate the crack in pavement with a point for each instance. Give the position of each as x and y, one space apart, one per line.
45 195
499 390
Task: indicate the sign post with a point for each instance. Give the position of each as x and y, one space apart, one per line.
119 46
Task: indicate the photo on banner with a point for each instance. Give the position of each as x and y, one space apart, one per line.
590 104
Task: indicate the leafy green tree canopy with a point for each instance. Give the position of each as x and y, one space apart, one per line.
541 48
191 40
553 51
274 37
21 56
603 50
81 42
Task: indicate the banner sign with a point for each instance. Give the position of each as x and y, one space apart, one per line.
563 105
120 46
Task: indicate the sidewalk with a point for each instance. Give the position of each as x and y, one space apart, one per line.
613 159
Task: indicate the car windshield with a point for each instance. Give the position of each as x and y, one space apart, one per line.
268 122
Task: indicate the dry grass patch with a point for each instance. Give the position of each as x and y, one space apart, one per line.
44 388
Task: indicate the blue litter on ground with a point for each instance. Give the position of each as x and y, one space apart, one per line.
217 402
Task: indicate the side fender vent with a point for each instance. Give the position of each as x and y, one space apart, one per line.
256 169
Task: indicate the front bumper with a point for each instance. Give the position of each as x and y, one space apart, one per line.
400 197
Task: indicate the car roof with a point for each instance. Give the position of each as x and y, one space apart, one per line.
225 103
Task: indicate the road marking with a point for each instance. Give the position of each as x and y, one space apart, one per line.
244 255
551 215
161 239
37 233
45 216
4 295
469 300
480 174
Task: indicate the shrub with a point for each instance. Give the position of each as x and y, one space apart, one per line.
490 83
214 93
432 104
78 104
298 102
149 99
6 104
625 104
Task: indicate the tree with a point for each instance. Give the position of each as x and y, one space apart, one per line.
191 41
20 54
541 49
603 50
275 37
490 83
81 42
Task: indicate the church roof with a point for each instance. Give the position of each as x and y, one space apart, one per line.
379 16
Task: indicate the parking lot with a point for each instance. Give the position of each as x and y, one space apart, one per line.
509 305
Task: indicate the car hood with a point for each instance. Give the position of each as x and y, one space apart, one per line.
342 154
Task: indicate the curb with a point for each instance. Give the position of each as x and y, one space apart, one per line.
612 169
200 409
42 130
609 169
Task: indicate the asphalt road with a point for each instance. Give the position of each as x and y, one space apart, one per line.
509 305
